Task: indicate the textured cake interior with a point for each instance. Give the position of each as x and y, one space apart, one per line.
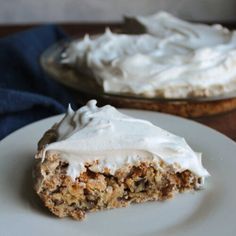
92 191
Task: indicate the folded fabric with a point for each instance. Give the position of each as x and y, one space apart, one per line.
27 94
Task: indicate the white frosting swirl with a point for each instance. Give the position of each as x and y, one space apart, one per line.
174 59
115 140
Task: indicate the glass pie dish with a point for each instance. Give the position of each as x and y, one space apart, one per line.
70 76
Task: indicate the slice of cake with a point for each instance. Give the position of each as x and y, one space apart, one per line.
98 158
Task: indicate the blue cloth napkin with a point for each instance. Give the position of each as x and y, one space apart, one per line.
27 94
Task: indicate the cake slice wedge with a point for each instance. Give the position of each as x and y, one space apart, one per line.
98 158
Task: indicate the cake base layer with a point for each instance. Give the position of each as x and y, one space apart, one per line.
92 191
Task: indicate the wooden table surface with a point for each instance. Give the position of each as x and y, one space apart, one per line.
225 123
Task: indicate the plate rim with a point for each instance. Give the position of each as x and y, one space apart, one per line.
127 109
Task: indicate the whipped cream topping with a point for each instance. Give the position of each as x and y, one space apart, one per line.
174 59
114 140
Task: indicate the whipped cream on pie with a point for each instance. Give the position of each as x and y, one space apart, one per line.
173 59
111 140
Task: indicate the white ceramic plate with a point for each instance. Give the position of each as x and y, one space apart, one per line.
208 212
